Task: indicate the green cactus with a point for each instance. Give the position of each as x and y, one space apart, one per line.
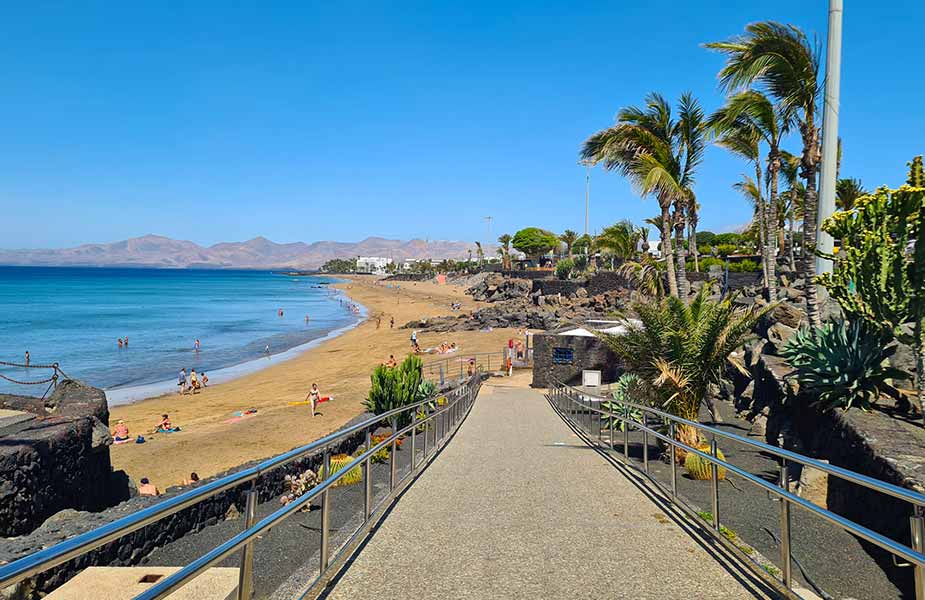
879 274
395 387
916 173
699 468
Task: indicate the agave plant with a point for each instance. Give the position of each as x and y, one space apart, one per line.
394 388
627 389
843 364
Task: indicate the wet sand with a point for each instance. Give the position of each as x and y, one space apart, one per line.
208 444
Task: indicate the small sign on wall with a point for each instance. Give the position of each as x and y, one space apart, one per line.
563 356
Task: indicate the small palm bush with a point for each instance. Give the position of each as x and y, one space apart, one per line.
843 364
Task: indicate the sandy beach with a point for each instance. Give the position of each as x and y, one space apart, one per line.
211 442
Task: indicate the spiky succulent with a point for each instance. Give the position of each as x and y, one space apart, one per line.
843 364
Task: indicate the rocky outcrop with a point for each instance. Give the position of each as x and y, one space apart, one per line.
58 460
496 288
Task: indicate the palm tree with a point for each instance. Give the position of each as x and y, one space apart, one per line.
742 138
847 191
644 276
692 220
644 236
680 350
793 207
568 237
480 253
505 251
659 155
755 111
618 240
780 58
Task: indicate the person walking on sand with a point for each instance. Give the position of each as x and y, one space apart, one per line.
193 381
181 381
392 323
314 397
414 339
378 321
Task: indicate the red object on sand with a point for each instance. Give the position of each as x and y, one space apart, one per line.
323 399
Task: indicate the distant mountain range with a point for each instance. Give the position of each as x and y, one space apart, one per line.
258 253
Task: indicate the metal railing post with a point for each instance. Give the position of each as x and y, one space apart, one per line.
917 522
613 421
368 480
672 451
626 432
426 422
325 514
392 459
413 441
645 443
442 380
714 484
785 525
246 573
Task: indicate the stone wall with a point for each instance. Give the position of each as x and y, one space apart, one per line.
59 460
587 353
885 447
737 280
527 274
551 287
132 548
605 281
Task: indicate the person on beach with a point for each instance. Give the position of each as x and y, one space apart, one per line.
193 478
314 397
378 321
414 340
147 488
470 370
204 379
306 318
120 433
391 363
27 358
181 381
165 425
266 349
197 345
193 381
392 323
119 342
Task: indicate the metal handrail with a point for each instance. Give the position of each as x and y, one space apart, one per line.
449 416
462 358
914 554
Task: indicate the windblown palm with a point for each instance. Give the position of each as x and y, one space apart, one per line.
505 250
753 111
659 155
781 59
618 240
793 199
847 191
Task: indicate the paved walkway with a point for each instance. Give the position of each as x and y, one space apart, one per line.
517 506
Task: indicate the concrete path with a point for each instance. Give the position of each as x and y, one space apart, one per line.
517 506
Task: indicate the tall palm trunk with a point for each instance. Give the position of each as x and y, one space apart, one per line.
771 242
761 213
666 249
808 171
692 241
684 286
793 232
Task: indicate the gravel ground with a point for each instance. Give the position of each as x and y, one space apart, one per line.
833 558
517 506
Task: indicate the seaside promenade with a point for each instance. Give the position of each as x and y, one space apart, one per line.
518 506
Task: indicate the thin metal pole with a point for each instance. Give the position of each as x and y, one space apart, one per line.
829 168
392 459
325 514
613 422
413 444
368 480
645 443
626 432
785 525
426 422
714 483
672 451
246 573
917 522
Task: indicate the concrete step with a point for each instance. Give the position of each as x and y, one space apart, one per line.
124 583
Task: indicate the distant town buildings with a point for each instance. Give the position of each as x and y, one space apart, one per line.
373 265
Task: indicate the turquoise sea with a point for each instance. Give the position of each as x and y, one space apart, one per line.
74 316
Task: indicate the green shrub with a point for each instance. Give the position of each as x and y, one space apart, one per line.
564 268
726 249
705 238
731 239
705 250
394 388
841 364
699 468
744 266
627 389
581 263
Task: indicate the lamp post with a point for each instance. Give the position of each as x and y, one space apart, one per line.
828 172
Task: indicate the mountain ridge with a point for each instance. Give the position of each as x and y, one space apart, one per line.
152 250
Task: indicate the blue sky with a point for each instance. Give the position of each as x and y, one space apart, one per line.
305 121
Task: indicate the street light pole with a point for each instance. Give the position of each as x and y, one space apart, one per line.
828 172
587 193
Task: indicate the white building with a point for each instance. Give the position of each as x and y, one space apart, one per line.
372 265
